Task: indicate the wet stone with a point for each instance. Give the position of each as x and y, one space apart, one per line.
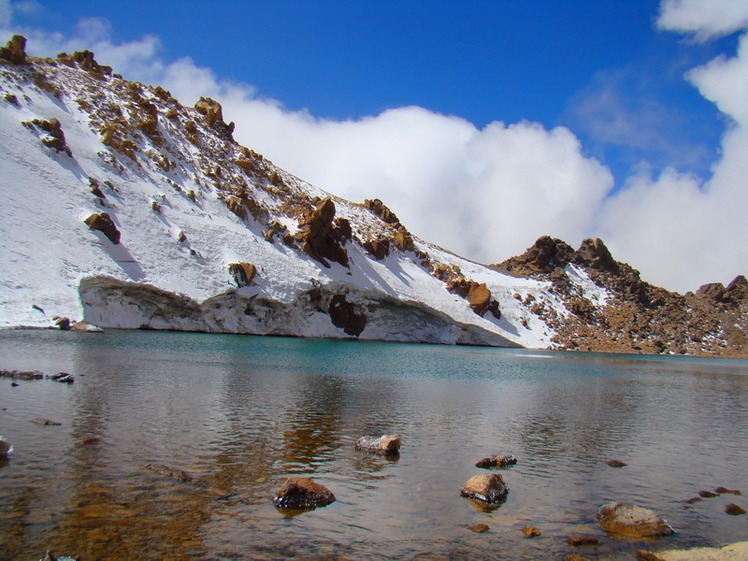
385 445
301 493
479 528
734 509
497 460
488 488
616 464
633 521
531 531
171 473
724 490
707 494
577 541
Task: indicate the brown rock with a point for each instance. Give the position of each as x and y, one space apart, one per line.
243 273
593 253
55 138
62 323
630 520
346 315
616 464
213 113
531 531
317 237
723 490
574 557
577 541
714 291
707 494
479 298
302 493
403 240
381 210
14 50
497 460
104 223
171 473
385 445
379 248
489 488
738 289
479 528
734 509
643 555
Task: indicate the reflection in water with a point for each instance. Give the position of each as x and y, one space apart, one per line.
240 414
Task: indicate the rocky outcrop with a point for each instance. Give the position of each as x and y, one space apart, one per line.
104 223
85 60
632 521
545 255
347 315
14 50
213 114
489 488
243 273
320 236
385 445
55 138
381 210
302 493
379 248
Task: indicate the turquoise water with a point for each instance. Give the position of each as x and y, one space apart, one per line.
242 413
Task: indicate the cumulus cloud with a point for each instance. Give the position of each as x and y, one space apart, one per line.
705 18
489 193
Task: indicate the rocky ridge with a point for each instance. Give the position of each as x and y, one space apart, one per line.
133 210
635 315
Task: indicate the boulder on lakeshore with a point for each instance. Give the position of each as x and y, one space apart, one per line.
497 460
301 493
632 521
489 488
385 445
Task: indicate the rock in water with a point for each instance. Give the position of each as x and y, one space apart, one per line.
497 460
171 473
488 488
6 448
633 521
531 531
302 493
616 463
479 528
385 445
734 509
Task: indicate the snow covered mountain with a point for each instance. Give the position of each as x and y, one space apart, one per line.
127 209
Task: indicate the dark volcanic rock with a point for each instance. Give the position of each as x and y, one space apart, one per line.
346 315
544 256
104 223
385 445
593 253
302 493
633 521
713 290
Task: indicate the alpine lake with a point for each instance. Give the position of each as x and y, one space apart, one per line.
240 414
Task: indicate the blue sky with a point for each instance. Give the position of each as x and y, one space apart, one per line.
576 116
481 60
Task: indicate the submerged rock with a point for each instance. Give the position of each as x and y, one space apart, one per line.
723 490
616 463
577 541
497 460
633 521
385 445
62 377
171 473
531 531
301 493
488 488
479 528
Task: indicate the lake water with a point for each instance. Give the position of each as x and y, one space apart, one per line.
241 413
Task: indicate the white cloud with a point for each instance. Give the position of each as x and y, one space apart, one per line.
705 18
488 193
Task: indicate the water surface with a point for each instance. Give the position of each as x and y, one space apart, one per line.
241 413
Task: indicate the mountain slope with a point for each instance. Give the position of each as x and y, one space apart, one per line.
128 209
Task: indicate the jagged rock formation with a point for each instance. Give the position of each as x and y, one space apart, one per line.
637 316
